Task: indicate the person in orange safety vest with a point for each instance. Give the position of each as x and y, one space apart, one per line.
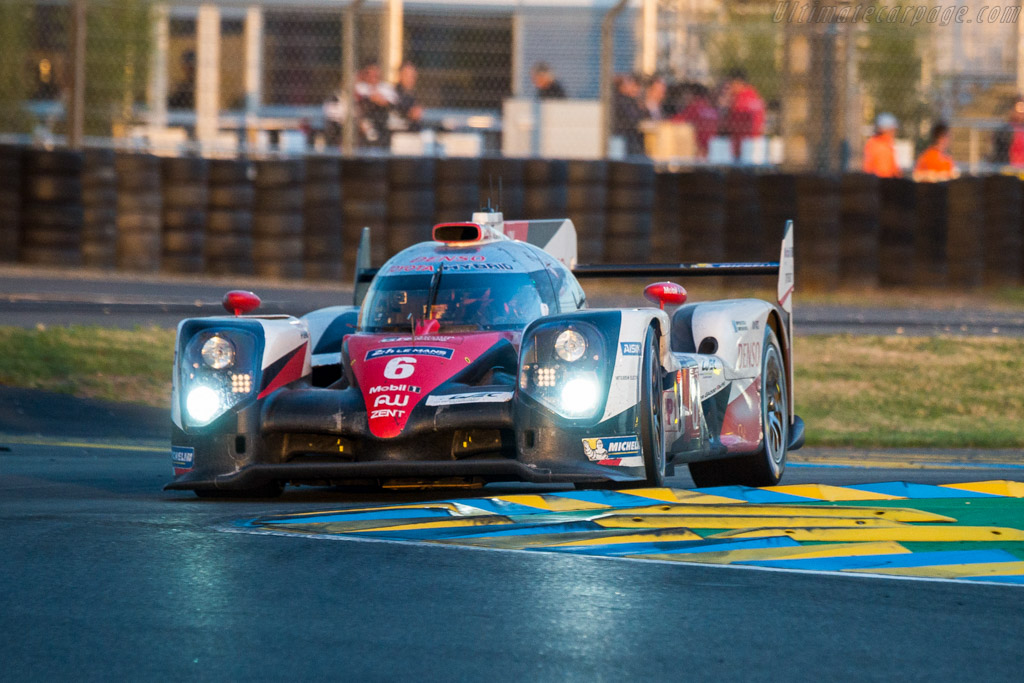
935 165
880 149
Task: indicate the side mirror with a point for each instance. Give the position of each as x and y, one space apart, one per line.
663 293
240 302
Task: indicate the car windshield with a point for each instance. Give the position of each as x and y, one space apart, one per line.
464 302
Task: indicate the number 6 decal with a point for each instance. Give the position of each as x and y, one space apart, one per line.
400 367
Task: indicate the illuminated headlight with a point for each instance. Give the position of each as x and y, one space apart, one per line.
218 371
218 353
203 404
579 396
570 345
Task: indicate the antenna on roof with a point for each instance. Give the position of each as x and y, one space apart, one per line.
490 191
500 202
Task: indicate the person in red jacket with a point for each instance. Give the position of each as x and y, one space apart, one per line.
880 149
700 113
744 110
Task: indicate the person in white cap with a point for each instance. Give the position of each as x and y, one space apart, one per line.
880 148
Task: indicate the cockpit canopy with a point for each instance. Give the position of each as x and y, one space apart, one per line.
494 286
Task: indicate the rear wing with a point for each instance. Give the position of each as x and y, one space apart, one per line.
783 268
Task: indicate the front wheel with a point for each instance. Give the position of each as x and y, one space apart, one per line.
766 467
651 414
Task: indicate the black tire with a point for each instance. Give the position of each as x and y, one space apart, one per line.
322 194
585 172
56 161
186 195
652 418
279 173
230 172
179 170
275 225
411 204
227 221
457 171
545 172
143 202
766 467
232 196
630 173
410 172
46 188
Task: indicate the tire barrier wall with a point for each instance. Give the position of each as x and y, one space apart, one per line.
11 159
411 204
52 216
859 211
99 203
587 206
139 208
290 218
278 230
630 203
364 194
228 245
184 213
322 219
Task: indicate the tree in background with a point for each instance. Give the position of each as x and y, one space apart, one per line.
750 41
890 72
15 25
116 63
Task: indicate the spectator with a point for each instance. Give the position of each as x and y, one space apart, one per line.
1003 138
700 113
373 102
654 98
548 87
880 148
744 110
407 114
628 113
935 165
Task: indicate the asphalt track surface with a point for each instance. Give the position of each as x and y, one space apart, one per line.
107 576
30 298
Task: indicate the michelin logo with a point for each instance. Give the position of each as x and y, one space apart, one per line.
630 348
182 457
435 351
609 447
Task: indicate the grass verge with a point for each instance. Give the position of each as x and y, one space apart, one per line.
941 392
131 366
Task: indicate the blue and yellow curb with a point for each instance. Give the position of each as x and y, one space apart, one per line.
891 528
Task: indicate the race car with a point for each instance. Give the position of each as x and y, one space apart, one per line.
474 358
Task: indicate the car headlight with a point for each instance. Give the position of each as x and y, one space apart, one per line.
203 404
564 368
579 395
570 345
218 370
218 353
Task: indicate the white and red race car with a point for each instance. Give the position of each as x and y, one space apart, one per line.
474 358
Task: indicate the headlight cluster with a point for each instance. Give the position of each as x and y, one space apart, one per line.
562 366
218 371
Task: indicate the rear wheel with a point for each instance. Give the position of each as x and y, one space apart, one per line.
766 467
